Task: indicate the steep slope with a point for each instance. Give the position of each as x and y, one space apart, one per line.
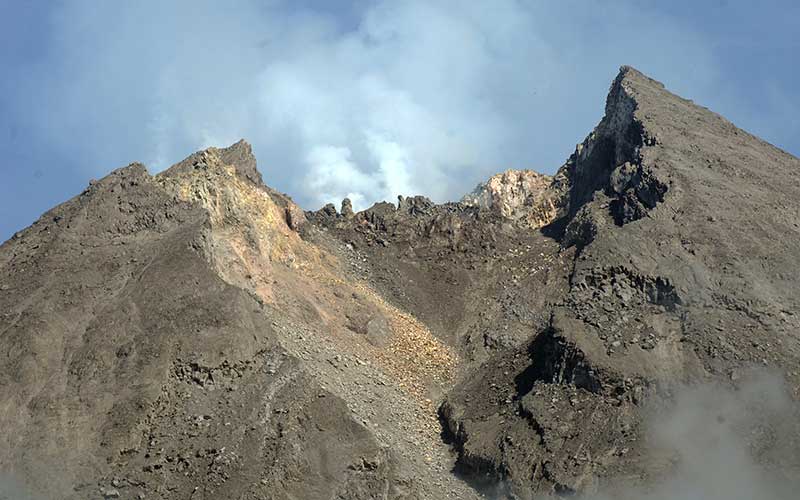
660 254
682 231
172 336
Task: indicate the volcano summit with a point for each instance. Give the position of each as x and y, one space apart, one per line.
195 334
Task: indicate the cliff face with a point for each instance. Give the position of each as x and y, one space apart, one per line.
195 334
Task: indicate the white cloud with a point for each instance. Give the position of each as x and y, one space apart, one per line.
393 165
410 97
332 172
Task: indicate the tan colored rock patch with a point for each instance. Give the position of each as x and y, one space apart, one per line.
518 194
254 248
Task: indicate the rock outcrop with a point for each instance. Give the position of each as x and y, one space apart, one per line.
518 194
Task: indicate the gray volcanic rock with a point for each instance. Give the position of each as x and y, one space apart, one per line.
126 356
195 334
347 208
682 231
669 262
142 356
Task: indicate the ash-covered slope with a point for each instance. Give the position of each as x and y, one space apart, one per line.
683 234
662 253
173 337
196 335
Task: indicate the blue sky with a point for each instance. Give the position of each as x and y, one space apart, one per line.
361 99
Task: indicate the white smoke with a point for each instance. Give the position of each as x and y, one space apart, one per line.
713 441
366 100
332 173
719 443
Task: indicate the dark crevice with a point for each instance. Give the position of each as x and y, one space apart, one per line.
610 163
635 192
480 473
553 360
619 287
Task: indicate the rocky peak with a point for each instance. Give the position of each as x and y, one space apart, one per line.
347 208
607 180
413 205
238 156
241 156
205 175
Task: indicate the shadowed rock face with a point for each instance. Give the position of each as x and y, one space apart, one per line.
196 334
